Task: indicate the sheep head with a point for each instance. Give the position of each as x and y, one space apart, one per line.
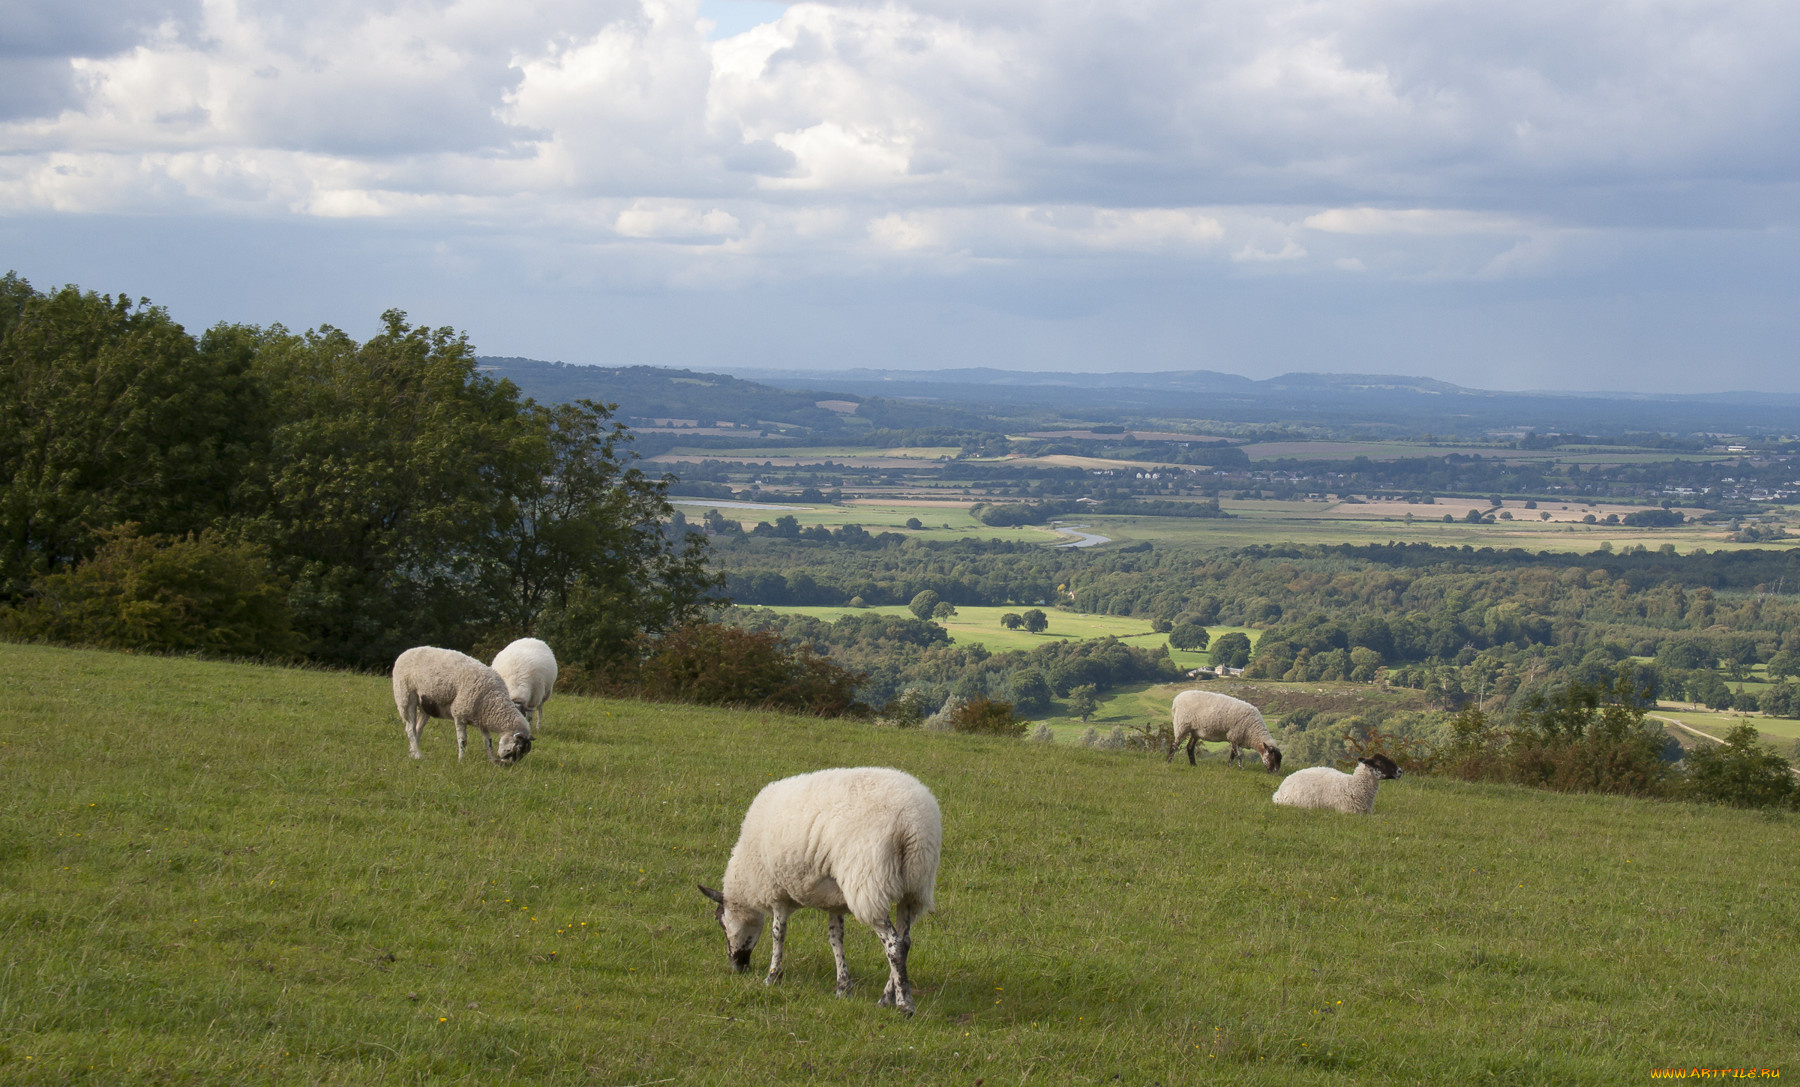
742 925
1383 766
512 747
1271 757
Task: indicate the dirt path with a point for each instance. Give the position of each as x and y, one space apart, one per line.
1692 731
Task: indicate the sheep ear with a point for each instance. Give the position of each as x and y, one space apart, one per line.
712 894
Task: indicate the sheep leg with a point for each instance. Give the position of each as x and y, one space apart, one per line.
778 919
1192 744
413 719
836 931
462 736
1236 757
896 942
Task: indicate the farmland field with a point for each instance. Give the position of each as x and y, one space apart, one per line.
981 626
1327 450
1267 521
230 873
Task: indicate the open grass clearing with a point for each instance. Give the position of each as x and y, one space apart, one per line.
227 873
1780 732
1266 451
981 626
1271 522
941 521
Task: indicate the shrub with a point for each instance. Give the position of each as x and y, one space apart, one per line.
201 593
710 664
1739 772
1588 739
909 710
982 714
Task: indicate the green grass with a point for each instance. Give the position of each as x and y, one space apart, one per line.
1717 723
939 520
981 626
218 873
1328 450
1268 521
1272 522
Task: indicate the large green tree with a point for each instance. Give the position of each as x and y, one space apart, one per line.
388 474
111 413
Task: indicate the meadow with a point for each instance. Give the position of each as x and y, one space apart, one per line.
224 872
979 625
1267 522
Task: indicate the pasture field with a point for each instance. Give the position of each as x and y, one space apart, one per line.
941 520
1275 522
1326 450
1268 521
220 873
1149 703
981 626
797 456
1780 733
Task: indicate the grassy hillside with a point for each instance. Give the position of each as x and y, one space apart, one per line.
214 873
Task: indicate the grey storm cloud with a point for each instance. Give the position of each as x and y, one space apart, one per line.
1118 166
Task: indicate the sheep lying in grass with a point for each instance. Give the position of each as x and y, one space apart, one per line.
432 682
1209 715
529 670
851 840
1333 790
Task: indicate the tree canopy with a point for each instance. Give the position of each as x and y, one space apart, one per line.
378 495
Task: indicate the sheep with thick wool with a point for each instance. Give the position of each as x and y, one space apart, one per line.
1209 715
850 840
432 682
528 668
1333 790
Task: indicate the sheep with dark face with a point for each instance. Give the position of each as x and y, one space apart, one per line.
1332 790
432 682
528 668
853 840
1209 715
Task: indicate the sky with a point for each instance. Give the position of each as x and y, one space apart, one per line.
1506 194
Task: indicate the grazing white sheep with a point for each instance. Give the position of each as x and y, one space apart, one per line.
529 670
432 682
1333 790
1209 715
851 840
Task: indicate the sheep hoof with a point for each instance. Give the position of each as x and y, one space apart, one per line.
771 979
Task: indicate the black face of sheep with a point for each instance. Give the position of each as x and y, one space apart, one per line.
742 929
512 747
1382 765
1271 757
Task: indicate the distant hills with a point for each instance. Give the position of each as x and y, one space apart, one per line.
850 401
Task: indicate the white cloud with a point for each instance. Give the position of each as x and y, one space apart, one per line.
1404 142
